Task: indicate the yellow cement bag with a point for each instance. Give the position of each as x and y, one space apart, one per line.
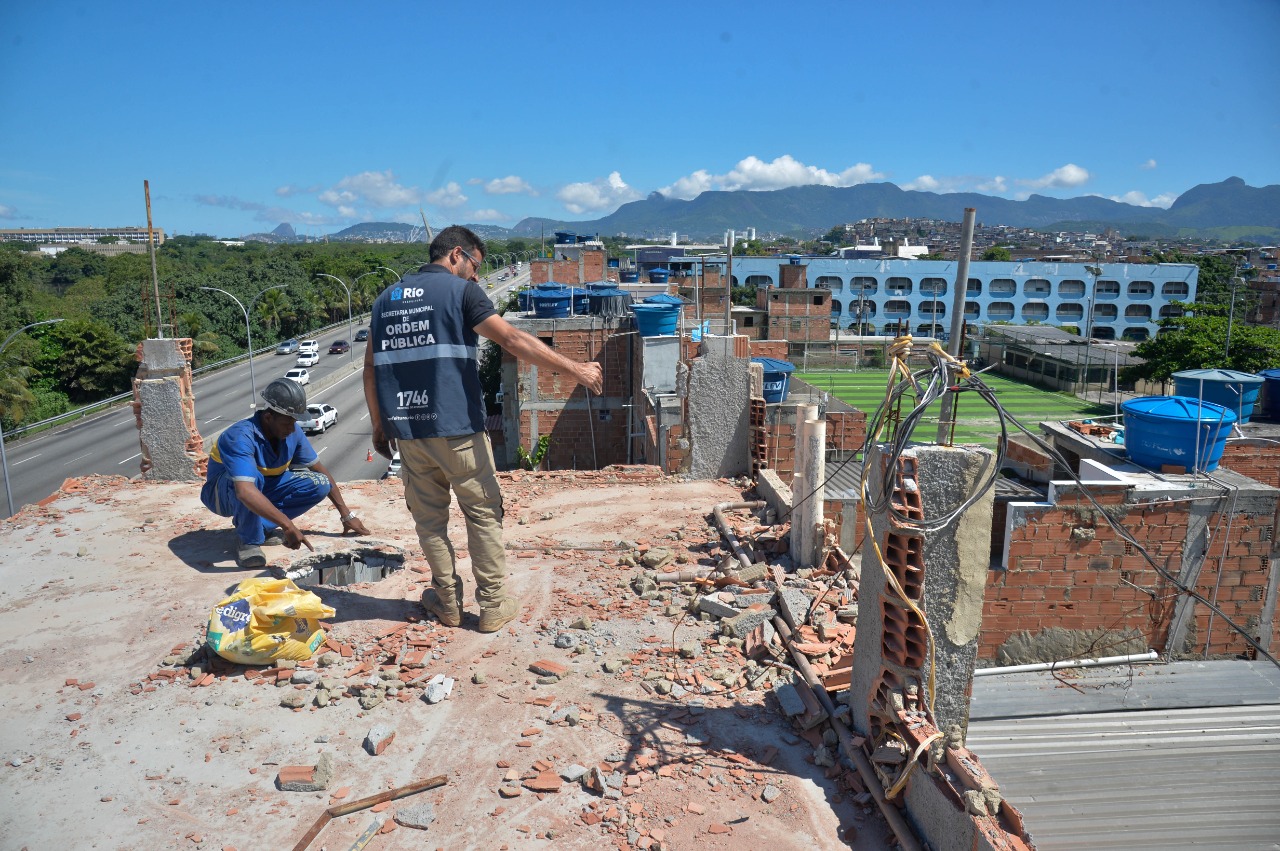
267 619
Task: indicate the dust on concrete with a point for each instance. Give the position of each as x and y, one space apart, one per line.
108 742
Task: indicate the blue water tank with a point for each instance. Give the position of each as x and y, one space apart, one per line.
659 276
629 277
665 298
656 320
612 262
1176 430
777 378
565 237
1270 393
551 304
608 302
522 298
581 302
1227 387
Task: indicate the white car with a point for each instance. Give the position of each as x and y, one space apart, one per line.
319 418
312 346
299 375
393 469
308 359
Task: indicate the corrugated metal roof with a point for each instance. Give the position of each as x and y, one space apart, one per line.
1172 775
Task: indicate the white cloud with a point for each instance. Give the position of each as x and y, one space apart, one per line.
925 183
509 185
753 173
375 188
449 195
1164 200
995 186
488 214
1149 164
272 214
1064 177
7 212
289 190
599 194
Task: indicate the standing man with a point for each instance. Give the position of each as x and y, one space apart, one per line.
263 472
422 386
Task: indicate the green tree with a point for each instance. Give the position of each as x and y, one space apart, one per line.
89 360
998 253
1198 341
204 344
273 309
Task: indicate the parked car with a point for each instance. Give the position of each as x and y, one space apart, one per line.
307 359
393 469
299 375
362 335
319 418
341 347
288 347
309 346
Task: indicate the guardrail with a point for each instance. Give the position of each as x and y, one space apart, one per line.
104 404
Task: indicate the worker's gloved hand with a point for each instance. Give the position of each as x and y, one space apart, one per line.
353 526
293 538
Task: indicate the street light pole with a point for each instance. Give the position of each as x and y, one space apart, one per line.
350 331
248 335
1231 316
4 463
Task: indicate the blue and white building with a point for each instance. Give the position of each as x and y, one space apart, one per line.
895 295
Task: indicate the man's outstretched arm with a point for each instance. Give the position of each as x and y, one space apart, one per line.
526 347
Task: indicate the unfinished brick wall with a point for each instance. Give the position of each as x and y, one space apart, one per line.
1067 568
164 407
776 349
587 268
793 276
583 433
1257 459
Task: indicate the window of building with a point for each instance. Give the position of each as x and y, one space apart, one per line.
933 287
819 300
934 309
929 330
1070 311
1175 289
1000 311
899 286
1138 313
1170 311
1141 289
1105 312
1104 332
549 341
1107 289
1071 288
974 287
836 307
759 281
897 308
1035 312
830 282
1136 335
1036 288
748 321
972 310
864 285
1003 287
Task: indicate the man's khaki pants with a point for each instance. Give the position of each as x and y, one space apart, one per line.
430 467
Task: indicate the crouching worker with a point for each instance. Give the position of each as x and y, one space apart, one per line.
263 473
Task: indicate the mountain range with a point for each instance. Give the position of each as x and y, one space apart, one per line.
1229 210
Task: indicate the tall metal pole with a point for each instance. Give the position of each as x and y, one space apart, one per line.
4 462
1095 271
1231 316
350 332
955 344
248 334
155 278
728 288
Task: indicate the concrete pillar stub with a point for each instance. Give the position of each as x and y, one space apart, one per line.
164 406
718 411
950 590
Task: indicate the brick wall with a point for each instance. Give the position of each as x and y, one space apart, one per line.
793 276
588 269
1068 568
1257 459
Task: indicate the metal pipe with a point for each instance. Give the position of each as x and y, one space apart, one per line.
723 525
1149 656
957 319
905 835
155 278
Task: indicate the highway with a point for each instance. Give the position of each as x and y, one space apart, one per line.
107 443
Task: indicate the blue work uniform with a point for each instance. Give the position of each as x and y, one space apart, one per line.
280 470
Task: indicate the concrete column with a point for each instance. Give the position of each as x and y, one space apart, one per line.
165 408
941 573
806 519
717 411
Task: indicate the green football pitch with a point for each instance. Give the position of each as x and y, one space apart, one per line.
976 421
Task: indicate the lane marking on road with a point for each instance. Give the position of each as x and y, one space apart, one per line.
74 460
130 458
322 451
126 421
37 455
365 415
218 417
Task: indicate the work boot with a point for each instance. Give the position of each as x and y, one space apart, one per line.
275 538
448 611
494 618
250 557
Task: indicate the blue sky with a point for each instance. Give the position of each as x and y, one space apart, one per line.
322 114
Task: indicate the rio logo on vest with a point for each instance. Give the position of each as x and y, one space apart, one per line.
407 292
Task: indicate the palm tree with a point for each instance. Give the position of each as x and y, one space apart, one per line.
203 343
273 309
16 399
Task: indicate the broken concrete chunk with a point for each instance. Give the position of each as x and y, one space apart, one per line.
789 699
690 650
378 738
613 666
643 583
295 700
567 714
582 623
770 794
566 641
573 773
306 778
419 816
656 558
712 605
438 688
741 625
794 605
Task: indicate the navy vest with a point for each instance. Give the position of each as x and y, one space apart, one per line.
424 358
